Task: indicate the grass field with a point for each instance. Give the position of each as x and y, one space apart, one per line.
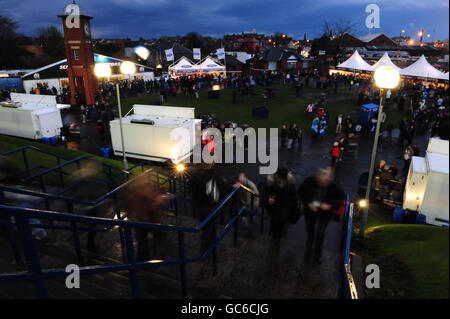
413 260
284 109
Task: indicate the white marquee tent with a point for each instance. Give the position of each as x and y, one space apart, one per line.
423 69
183 65
385 60
209 65
355 62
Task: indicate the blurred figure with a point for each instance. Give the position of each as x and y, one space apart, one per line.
280 199
320 196
145 204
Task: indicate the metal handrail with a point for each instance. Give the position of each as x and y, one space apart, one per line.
39 276
348 288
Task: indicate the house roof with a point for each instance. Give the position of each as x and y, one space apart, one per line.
279 54
370 37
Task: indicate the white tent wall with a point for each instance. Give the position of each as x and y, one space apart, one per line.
33 84
146 76
46 100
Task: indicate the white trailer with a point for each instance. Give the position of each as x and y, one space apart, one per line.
426 189
30 119
147 133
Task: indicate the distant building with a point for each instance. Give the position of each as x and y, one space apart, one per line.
378 39
280 59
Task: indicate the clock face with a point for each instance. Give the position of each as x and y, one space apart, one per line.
87 30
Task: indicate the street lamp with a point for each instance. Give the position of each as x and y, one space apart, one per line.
126 68
386 77
102 70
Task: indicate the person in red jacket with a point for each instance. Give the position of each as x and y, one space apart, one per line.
211 145
335 151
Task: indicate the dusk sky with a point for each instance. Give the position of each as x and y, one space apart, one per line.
154 18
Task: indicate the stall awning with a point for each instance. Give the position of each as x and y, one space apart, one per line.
355 62
423 69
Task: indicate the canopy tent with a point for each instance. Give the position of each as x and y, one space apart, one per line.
367 112
355 62
423 69
209 65
183 65
446 76
385 60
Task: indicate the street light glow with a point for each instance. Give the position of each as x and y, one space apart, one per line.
180 168
127 67
386 77
362 203
142 52
102 70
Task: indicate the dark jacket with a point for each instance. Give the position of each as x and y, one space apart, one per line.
310 191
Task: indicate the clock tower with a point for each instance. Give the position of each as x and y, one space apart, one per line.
79 53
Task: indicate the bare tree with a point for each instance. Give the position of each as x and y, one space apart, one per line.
337 29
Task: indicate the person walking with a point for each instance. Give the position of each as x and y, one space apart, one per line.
280 199
339 122
283 134
320 196
292 136
335 151
407 157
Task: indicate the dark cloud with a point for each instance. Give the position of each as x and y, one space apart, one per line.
152 18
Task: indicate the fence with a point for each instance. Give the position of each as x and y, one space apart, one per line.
17 217
347 285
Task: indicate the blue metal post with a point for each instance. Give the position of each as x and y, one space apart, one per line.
13 242
183 265
61 176
34 266
25 160
214 237
132 260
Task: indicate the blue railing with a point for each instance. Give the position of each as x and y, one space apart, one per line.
347 286
38 275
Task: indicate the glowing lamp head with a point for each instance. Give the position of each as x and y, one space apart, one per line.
386 77
180 168
102 70
216 87
142 52
411 42
128 68
362 203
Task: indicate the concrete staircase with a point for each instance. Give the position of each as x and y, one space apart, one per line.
255 269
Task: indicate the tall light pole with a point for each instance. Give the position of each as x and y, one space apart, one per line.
127 68
386 77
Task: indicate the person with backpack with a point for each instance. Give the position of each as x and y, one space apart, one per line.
321 197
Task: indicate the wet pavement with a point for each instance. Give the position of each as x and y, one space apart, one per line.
257 258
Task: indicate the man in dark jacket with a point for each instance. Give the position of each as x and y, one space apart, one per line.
320 196
280 200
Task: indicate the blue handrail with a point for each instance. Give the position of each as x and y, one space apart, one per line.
38 276
347 285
